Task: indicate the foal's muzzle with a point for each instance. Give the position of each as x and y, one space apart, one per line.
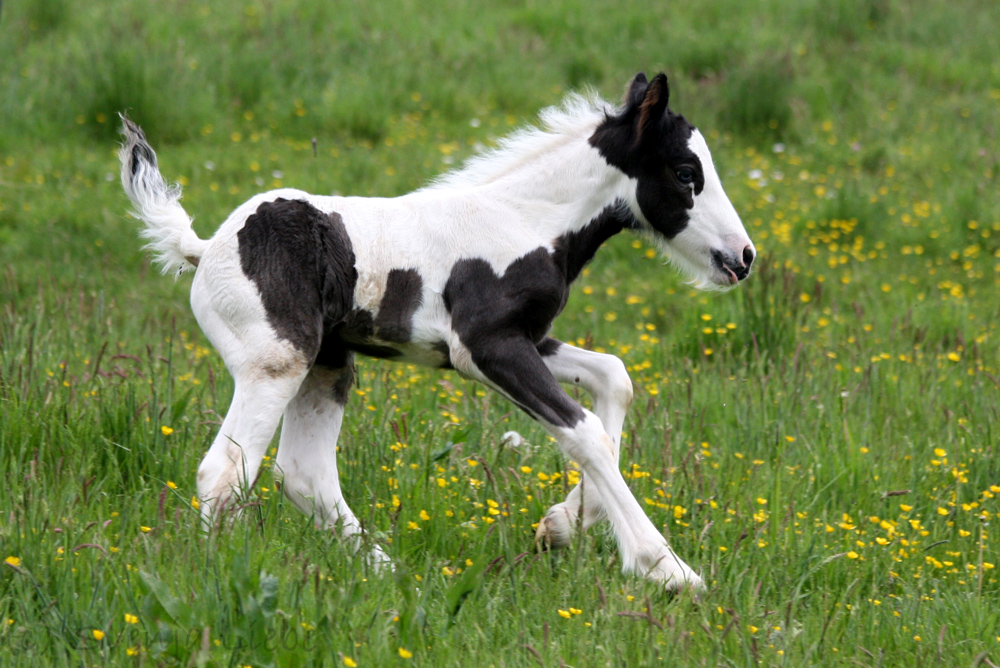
734 266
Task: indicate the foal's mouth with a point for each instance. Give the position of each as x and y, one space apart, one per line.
732 270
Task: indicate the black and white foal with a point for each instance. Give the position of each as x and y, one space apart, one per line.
468 274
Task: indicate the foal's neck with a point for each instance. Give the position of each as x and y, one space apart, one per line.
565 186
572 196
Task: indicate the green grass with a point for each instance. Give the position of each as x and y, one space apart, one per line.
821 443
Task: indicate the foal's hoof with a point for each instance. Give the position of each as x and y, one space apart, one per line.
378 560
555 530
675 575
694 584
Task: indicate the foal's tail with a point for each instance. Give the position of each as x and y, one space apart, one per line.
168 227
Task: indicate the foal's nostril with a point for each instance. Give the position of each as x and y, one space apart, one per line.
748 256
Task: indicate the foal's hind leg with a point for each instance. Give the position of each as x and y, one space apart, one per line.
233 461
605 378
267 371
307 453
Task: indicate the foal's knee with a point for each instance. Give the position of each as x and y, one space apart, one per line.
617 381
589 445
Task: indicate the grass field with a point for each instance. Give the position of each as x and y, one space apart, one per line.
821 444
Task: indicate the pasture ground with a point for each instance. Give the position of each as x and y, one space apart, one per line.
822 444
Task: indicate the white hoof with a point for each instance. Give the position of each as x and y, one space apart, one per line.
378 560
672 572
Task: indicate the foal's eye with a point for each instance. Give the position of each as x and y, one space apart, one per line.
685 175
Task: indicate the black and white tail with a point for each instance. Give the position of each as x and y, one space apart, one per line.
175 246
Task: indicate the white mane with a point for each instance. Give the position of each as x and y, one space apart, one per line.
576 117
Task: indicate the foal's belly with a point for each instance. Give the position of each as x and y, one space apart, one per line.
420 353
413 329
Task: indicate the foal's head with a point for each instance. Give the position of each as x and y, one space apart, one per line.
678 200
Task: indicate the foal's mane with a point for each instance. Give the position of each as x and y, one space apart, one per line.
577 116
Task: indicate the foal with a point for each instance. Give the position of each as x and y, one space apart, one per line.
465 274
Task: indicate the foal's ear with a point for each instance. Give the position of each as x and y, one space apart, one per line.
653 105
619 137
636 91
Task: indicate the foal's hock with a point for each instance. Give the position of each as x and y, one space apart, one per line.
467 274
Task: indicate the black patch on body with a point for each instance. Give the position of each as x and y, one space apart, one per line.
364 333
574 250
356 333
648 142
302 262
523 302
401 299
503 320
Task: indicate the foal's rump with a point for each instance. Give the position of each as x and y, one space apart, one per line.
302 264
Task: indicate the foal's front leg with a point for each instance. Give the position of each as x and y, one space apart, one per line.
605 378
513 366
